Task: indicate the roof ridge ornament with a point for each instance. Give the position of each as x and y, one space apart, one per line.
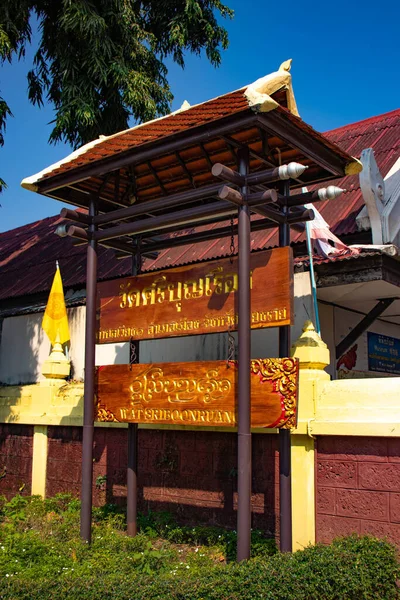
258 94
185 105
373 190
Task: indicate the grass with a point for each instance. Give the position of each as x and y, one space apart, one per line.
42 557
41 538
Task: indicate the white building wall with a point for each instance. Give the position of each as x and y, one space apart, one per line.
24 346
344 322
327 324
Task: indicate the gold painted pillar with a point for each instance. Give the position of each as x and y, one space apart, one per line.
55 369
39 461
313 355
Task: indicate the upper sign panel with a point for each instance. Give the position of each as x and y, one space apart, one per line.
196 299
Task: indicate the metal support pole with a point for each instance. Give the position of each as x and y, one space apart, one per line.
132 495
244 422
285 487
88 402
132 471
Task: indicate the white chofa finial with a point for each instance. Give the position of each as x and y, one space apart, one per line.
330 193
291 171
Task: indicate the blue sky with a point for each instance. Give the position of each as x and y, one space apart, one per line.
345 68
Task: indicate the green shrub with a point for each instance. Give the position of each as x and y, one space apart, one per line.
163 524
43 558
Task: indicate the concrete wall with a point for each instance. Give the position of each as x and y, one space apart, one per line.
358 487
16 448
190 474
24 347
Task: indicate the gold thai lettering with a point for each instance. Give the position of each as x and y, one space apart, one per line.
161 288
216 276
145 387
120 332
277 314
152 383
175 295
215 282
212 388
149 294
217 321
195 416
231 283
193 289
129 296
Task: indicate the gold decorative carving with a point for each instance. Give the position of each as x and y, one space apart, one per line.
283 374
203 390
105 415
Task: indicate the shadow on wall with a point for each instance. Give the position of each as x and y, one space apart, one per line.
192 474
24 347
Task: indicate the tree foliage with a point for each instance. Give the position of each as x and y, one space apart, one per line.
100 62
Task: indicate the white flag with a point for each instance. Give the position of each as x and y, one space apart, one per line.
325 242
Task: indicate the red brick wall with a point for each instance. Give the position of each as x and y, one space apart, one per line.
192 474
358 487
16 444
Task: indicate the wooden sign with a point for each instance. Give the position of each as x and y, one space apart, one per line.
196 299
197 393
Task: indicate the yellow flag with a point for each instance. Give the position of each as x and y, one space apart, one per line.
55 320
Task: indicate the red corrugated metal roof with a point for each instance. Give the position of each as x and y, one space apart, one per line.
28 253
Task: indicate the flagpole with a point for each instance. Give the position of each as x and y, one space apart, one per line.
312 278
312 272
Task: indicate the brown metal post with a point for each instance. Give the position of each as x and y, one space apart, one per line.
132 495
132 471
88 402
244 432
285 483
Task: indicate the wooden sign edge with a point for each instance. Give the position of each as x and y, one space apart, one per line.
288 391
286 322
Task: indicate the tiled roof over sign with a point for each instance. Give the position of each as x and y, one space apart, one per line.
175 153
149 132
28 253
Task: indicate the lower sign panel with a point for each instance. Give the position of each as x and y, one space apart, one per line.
198 393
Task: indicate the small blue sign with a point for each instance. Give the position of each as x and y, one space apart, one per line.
383 353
